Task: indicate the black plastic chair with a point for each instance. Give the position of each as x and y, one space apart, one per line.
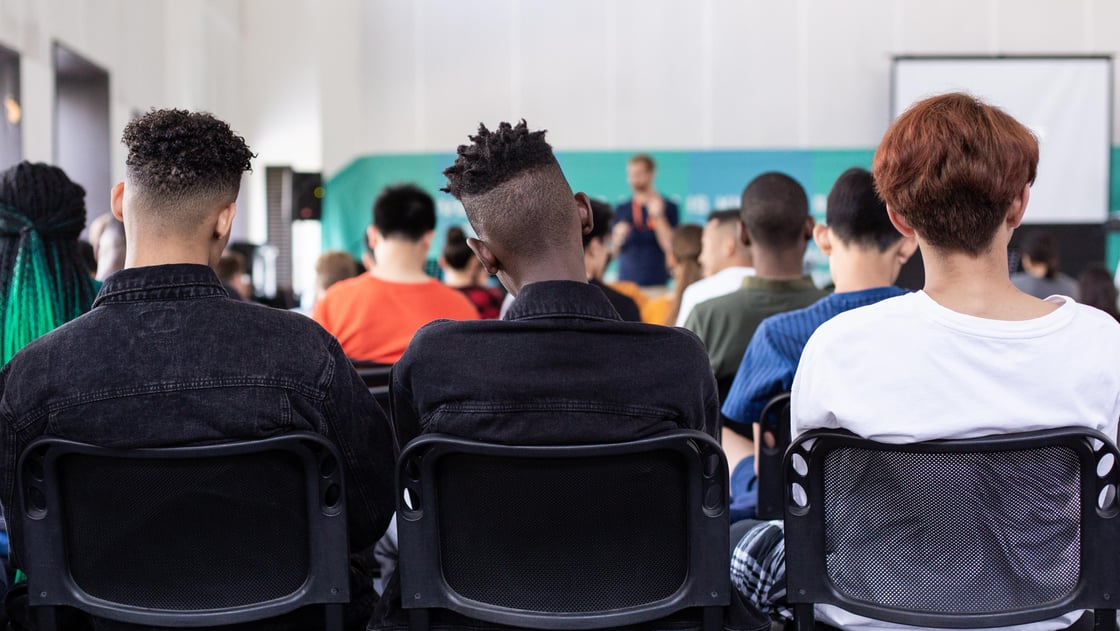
985 532
774 430
564 537
193 536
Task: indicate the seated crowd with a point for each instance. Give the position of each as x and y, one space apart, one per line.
167 352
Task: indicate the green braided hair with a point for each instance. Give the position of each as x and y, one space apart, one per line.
43 280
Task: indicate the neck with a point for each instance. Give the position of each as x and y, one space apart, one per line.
400 261
548 268
458 277
147 252
978 286
778 264
859 269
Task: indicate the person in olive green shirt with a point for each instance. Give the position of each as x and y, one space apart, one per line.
776 227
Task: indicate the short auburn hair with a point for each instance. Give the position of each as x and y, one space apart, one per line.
951 165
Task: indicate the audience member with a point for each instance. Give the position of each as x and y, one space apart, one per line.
684 265
1041 276
725 261
775 225
44 281
865 253
110 248
331 267
643 227
177 361
463 271
85 252
375 315
1095 287
231 272
596 257
962 357
563 368
93 232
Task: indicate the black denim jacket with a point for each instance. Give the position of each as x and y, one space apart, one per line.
165 358
562 368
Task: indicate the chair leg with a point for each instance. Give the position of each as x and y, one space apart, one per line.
418 620
334 617
713 618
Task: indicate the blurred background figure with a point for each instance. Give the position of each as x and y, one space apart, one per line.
44 282
231 271
463 271
110 249
597 256
684 266
1041 276
331 267
643 227
1095 288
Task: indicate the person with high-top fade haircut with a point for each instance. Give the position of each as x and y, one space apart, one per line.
166 358
969 355
562 368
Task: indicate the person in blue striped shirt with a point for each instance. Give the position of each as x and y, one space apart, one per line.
865 254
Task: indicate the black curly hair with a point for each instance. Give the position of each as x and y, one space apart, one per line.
513 191
496 157
184 159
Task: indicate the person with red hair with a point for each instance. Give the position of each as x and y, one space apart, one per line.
970 355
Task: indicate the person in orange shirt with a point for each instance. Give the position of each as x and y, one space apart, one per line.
375 315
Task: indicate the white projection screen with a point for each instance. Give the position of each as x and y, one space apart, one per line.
1066 101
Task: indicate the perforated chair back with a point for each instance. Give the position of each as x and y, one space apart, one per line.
985 532
774 430
185 536
564 537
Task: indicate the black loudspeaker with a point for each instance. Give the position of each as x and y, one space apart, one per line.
307 196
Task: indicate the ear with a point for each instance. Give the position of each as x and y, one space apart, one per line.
485 255
905 248
899 223
116 201
1018 208
225 221
372 236
744 234
822 236
586 217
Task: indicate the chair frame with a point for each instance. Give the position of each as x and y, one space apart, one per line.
775 419
423 586
807 578
45 558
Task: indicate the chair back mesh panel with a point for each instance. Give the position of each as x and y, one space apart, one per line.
622 546
156 533
905 529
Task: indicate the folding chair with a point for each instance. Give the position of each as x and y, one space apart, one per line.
192 536
984 532
564 537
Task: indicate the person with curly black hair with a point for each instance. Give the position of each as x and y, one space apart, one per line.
563 367
166 358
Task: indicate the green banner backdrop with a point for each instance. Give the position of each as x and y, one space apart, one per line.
699 181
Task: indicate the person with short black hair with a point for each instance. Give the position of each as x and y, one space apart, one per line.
643 227
597 256
375 315
562 368
775 225
1042 276
463 271
724 261
865 254
165 358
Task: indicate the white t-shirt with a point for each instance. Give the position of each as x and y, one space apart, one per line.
719 284
907 369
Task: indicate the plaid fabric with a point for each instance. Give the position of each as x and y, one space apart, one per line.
758 569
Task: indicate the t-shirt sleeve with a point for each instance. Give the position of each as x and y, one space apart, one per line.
766 371
809 401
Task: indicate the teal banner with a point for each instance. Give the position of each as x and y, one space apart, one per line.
698 181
